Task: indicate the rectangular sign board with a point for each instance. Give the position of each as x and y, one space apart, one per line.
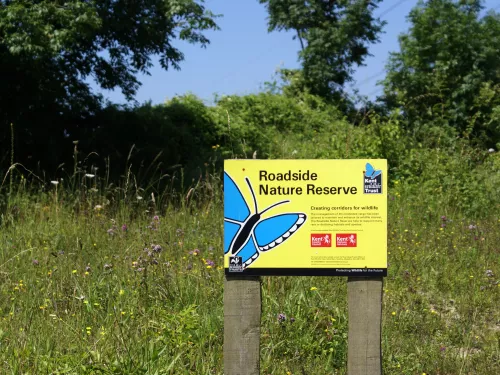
305 217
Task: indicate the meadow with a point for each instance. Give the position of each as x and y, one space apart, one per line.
111 279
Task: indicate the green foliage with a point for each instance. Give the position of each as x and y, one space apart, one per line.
448 61
49 49
334 38
108 40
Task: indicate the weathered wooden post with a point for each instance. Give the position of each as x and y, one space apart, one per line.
364 295
242 310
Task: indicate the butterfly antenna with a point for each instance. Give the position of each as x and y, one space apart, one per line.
253 194
274 205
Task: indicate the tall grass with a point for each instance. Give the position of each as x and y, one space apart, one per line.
99 278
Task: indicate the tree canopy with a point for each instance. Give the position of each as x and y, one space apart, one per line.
334 36
447 71
49 48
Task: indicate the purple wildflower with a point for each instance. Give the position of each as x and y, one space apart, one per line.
156 218
210 263
36 262
157 248
443 218
124 228
194 252
443 225
281 317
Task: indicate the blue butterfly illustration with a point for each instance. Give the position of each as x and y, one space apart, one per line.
371 172
247 234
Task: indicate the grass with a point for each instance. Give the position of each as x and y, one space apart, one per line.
86 290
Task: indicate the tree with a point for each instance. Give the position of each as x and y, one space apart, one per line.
448 59
49 49
334 36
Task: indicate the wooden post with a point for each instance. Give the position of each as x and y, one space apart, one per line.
364 355
242 311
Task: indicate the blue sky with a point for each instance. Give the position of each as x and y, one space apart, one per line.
242 55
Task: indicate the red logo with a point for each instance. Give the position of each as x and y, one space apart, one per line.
321 240
347 240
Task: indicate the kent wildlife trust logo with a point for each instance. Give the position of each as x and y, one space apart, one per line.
321 240
346 240
372 180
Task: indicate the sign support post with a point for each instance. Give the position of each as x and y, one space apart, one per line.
364 355
242 313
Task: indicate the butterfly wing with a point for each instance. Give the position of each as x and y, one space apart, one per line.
273 231
248 252
230 230
371 172
235 207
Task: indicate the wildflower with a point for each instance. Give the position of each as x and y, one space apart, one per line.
108 266
210 263
471 227
194 252
110 231
98 207
124 228
393 313
121 292
156 218
35 262
443 225
443 218
139 198
489 273
135 264
89 175
292 320
313 288
54 182
157 248
74 271
281 317
87 268
490 150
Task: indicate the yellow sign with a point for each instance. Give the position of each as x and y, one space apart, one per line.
305 217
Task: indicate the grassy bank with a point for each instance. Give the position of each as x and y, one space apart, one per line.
115 287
